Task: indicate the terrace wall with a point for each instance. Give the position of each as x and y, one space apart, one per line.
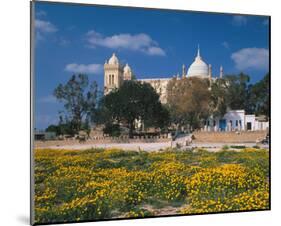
229 137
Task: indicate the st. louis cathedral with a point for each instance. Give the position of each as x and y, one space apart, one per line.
115 73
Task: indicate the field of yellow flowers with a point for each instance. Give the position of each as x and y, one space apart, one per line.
94 184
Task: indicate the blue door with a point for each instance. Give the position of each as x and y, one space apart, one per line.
222 124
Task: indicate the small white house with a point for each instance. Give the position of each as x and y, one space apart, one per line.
236 120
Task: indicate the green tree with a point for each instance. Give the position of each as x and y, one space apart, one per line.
79 97
53 128
86 126
230 92
133 101
188 100
218 103
237 92
259 97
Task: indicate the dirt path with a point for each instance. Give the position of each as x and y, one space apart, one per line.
125 146
148 146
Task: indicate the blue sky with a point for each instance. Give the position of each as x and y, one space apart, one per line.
78 39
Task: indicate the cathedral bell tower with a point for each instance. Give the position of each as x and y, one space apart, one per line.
221 71
113 74
128 75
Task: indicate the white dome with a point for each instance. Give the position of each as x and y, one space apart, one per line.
198 67
113 59
127 69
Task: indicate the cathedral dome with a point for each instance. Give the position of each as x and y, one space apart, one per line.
113 59
127 69
198 67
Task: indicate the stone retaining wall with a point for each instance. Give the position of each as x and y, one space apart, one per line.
100 140
229 137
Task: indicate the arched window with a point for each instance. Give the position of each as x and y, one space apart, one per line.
112 79
109 82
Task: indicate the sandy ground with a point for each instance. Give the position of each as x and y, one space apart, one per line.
125 146
151 146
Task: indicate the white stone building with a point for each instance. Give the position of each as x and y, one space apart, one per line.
160 86
236 120
115 73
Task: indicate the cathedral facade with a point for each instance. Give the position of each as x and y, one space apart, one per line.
115 74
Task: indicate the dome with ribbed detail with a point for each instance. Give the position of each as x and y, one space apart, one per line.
198 67
113 59
127 68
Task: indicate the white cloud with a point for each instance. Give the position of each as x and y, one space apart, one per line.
41 13
251 58
225 44
239 20
44 26
84 68
137 42
50 99
156 51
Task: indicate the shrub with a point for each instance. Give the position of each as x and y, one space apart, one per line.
238 146
112 130
225 147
